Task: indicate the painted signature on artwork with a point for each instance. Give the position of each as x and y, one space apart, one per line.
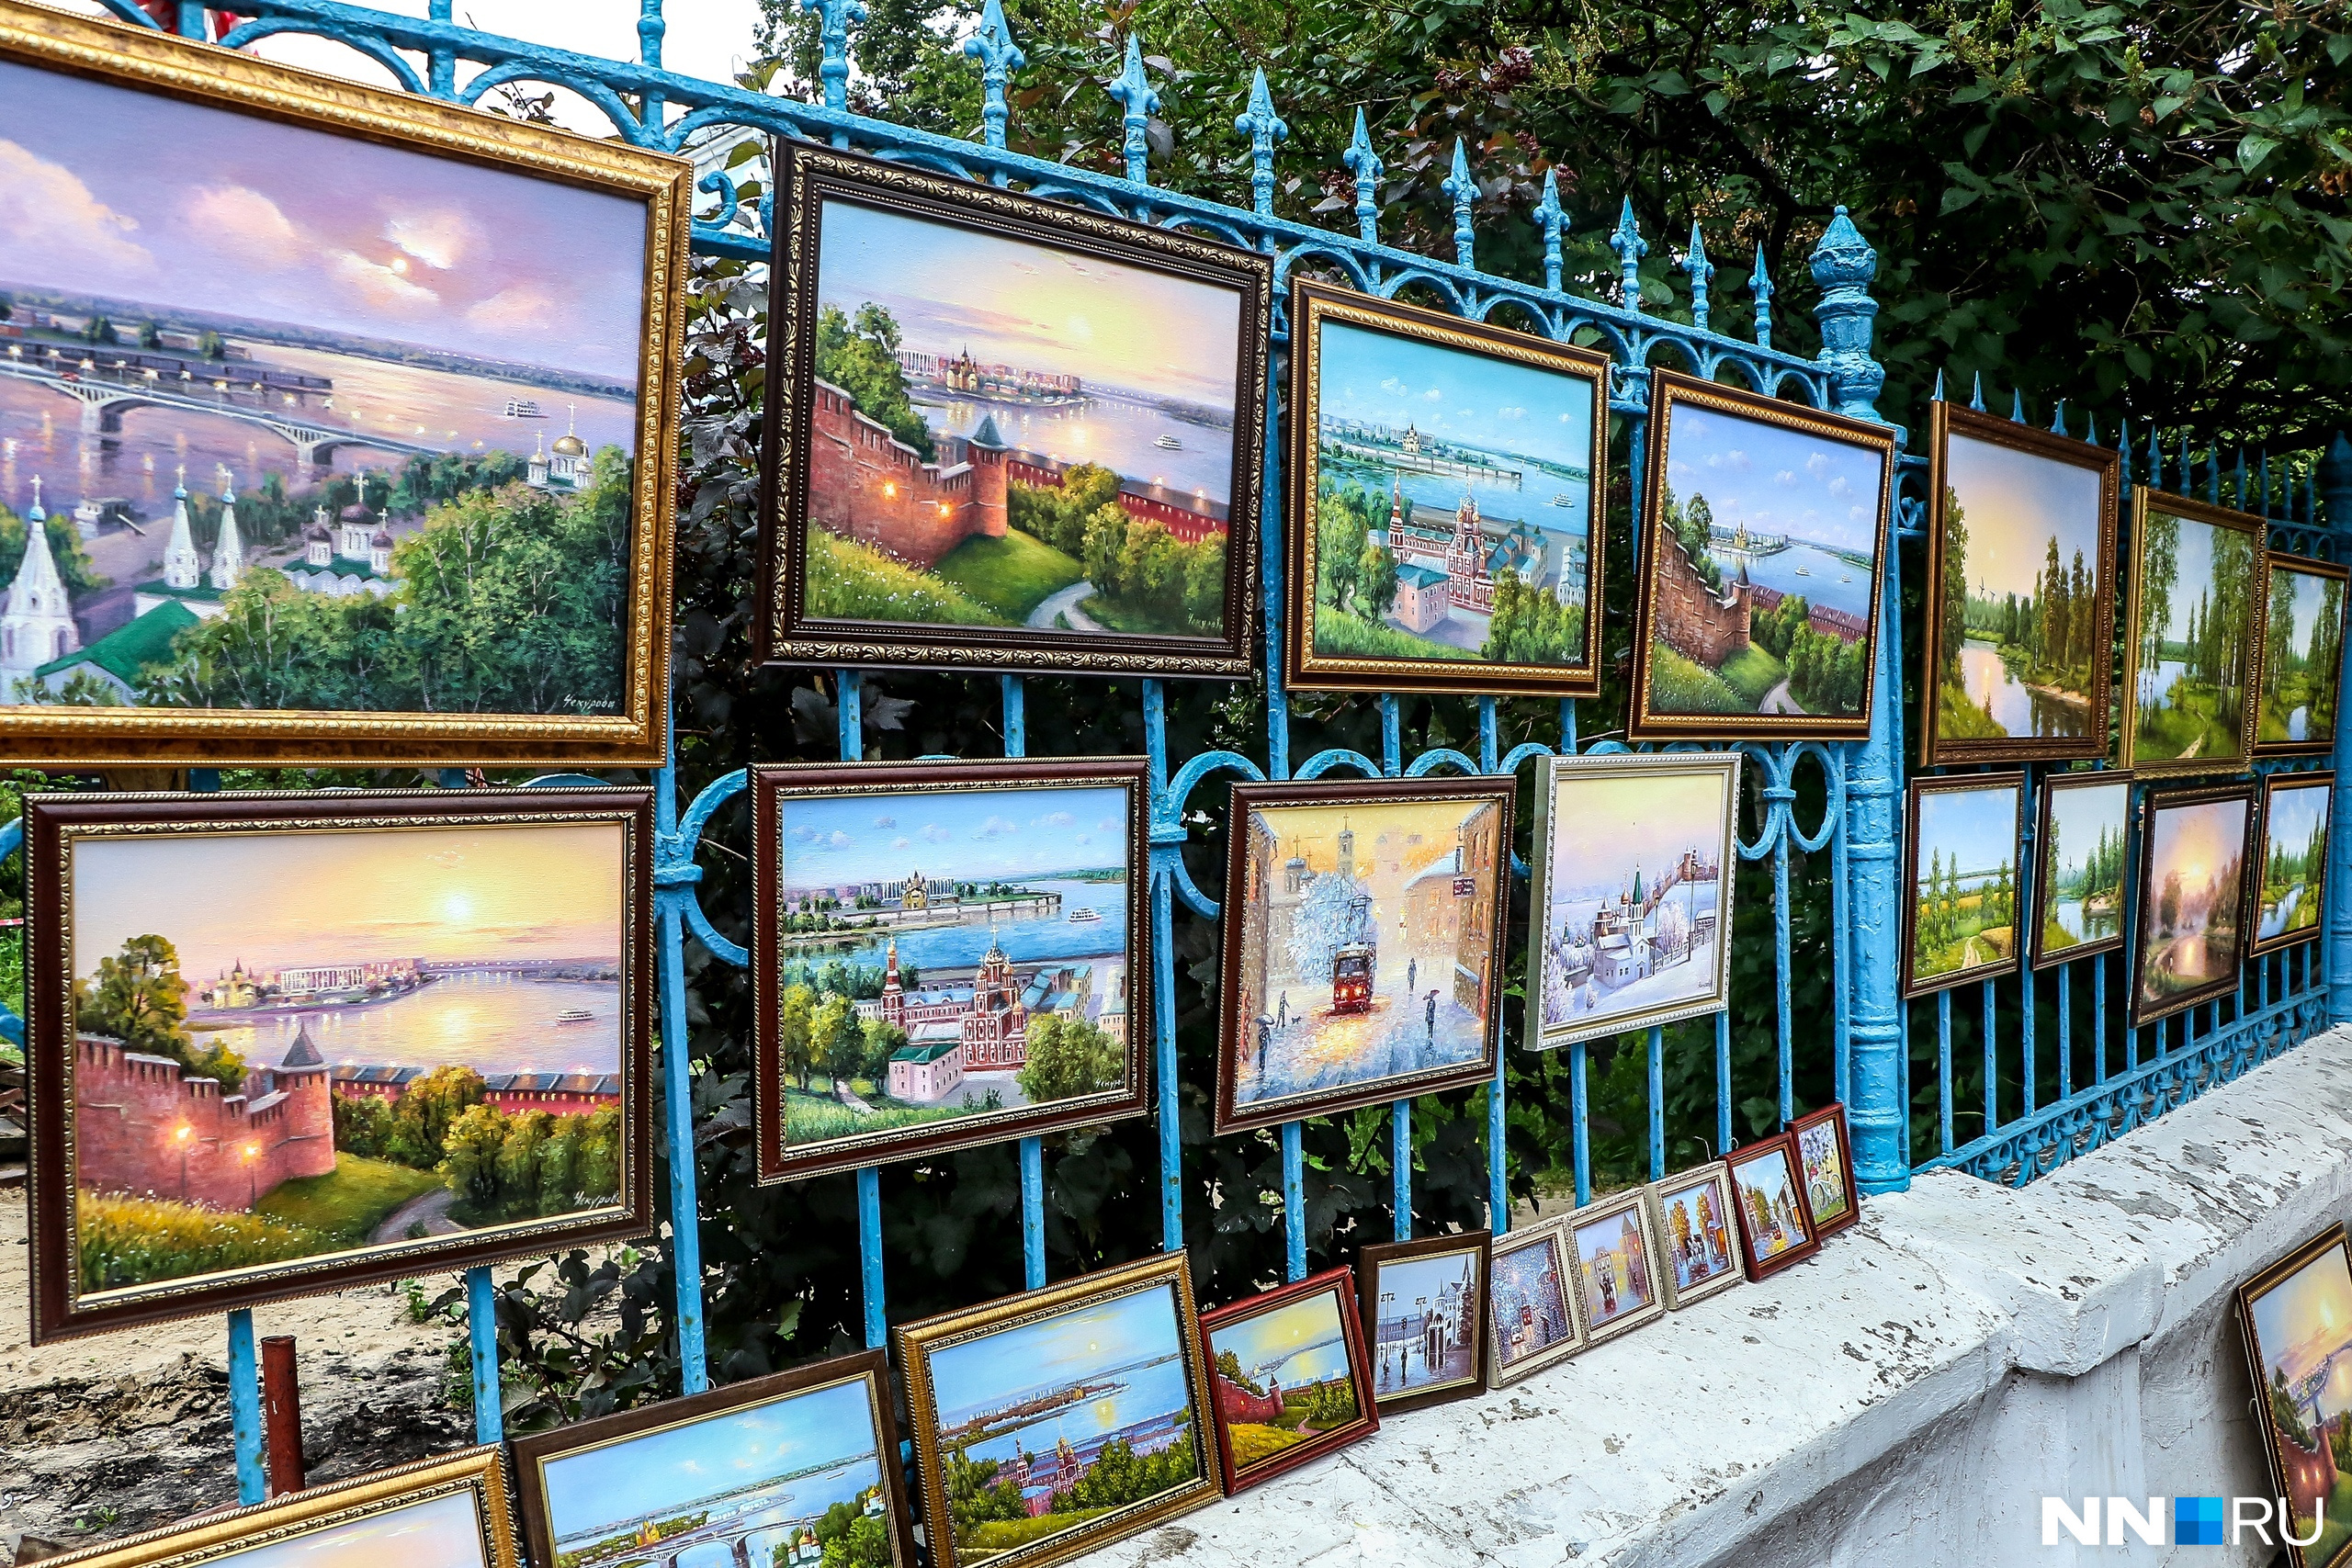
590 705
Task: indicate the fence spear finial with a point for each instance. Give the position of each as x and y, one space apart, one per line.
1134 95
1976 397
1367 167
1760 284
1631 248
999 57
2017 405
2058 418
1702 271
1937 395
1552 221
1263 128
833 17
1463 191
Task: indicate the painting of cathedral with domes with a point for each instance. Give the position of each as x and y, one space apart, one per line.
344 467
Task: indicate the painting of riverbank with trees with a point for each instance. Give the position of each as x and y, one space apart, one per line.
2190 645
2191 936
2296 809
2085 838
2302 657
1962 850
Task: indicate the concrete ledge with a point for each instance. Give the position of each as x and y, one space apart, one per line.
1962 1351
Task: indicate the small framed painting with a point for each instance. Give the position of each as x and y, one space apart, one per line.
1426 1303
947 954
2292 885
1531 1295
1617 1265
2297 1317
1826 1155
2021 620
1006 433
789 1468
1962 860
1289 1378
2191 936
449 1512
2191 635
2084 842
378 399
1054 1422
1444 476
288 1043
1631 894
1698 1237
2302 657
1768 1194
1363 943
1757 614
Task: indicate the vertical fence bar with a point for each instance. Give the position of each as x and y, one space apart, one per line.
1723 1084
674 879
1992 1065
1016 691
1657 1104
1400 1167
1294 1203
482 1328
850 718
245 1409
1943 1064
2065 1030
1578 1122
1163 957
2335 479
1784 1036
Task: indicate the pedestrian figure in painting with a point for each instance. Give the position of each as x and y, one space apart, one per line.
1265 1038
1430 1017
1281 1021
1412 972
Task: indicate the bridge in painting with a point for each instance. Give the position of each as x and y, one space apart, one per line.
104 402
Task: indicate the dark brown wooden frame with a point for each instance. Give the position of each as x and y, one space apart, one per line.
1832 1116
1946 421
1955 784
808 174
870 1368
914 1343
2051 787
2305 565
2332 1239
53 821
2145 501
2151 804
1668 388
771 789
1553 1233
1311 304
1340 1284
2322 779
1355 793
1785 1146
1371 1259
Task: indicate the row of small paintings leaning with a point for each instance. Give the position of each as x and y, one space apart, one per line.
2227 872
281 1042
1053 1422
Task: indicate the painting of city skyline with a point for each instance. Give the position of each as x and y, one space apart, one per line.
1616 1257
2302 656
1631 885
1697 1234
1363 943
2024 613
1775 1228
1531 1303
355 1039
1023 430
2297 1318
2292 887
951 956
1962 859
1758 610
2194 633
1424 1307
1288 1377
253 419
2084 842
1054 1422
1442 477
2191 935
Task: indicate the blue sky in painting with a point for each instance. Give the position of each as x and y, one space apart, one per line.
1774 480
1979 827
1495 403
832 839
1070 1347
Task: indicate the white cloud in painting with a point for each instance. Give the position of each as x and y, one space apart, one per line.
1395 388
840 840
995 827
1817 464
47 212
440 239
384 286
1786 477
526 306
1511 414
932 833
242 223
1053 819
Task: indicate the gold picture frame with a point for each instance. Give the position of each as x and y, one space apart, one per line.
624 728
2131 746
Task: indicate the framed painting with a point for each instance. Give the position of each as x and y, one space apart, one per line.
2084 841
1062 1420
1961 863
1006 433
2021 549
1442 481
2297 1318
1532 1320
327 342
1629 891
1363 943
1288 1376
1826 1155
1756 616
786 1469
450 1512
2191 933
1768 1194
288 1043
2191 635
2302 657
2292 887
1698 1237
1615 1242
947 954
1426 1301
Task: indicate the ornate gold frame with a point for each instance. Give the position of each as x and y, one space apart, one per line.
476 1471
2296 566
150 61
2273 785
2127 700
1958 783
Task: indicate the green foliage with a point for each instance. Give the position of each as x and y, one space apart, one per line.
1057 515
1158 581
426 1109
854 1538
860 356
122 1241
1228 1365
1068 1056
1011 575
532 1163
1119 1475
137 996
363 1124
974 1495
1530 627
852 582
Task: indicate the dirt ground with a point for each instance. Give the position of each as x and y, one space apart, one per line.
122 1432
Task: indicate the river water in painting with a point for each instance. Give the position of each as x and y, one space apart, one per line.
2016 708
2082 925
494 1023
1120 435
1054 940
1826 582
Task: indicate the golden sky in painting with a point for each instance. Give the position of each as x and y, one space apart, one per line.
2308 1317
316 896
2199 841
1385 832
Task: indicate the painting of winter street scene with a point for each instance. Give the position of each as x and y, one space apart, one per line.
291 420
1364 958
1631 886
1426 1301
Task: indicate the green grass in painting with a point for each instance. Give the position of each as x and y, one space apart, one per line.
2188 726
812 1118
348 1202
1974 943
1752 672
1338 635
1678 685
1958 716
1121 616
1011 575
848 582
993 1536
125 1241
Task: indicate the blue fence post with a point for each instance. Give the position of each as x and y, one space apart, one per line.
2336 485
244 1409
481 1328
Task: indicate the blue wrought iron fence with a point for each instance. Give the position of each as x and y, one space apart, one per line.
1866 1037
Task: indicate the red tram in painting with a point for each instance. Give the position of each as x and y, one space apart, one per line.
1351 979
